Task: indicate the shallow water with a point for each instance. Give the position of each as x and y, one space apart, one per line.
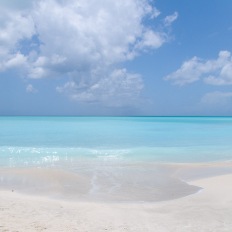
47 141
108 158
128 183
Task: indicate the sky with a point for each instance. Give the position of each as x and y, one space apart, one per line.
124 57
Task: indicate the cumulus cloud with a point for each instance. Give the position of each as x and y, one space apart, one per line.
14 27
151 39
213 72
83 41
17 60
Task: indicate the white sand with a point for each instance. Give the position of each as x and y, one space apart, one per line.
208 211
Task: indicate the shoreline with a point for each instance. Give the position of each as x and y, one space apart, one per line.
208 210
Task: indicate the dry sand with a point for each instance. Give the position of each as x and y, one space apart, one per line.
210 210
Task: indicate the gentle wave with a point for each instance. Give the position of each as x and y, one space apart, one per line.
37 156
55 156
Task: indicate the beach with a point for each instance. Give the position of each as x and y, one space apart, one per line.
115 115
134 174
209 209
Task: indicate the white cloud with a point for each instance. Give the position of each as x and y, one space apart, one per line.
118 88
14 27
213 72
17 60
155 13
152 39
84 41
187 73
30 89
170 19
88 34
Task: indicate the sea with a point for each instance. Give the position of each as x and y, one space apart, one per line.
115 156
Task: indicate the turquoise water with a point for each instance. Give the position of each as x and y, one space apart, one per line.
109 158
51 141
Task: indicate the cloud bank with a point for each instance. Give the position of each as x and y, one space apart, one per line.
85 42
217 98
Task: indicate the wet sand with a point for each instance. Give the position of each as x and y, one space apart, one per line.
140 182
210 209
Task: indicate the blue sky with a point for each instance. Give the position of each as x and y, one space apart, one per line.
107 57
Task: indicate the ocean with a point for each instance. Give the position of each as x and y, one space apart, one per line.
108 152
